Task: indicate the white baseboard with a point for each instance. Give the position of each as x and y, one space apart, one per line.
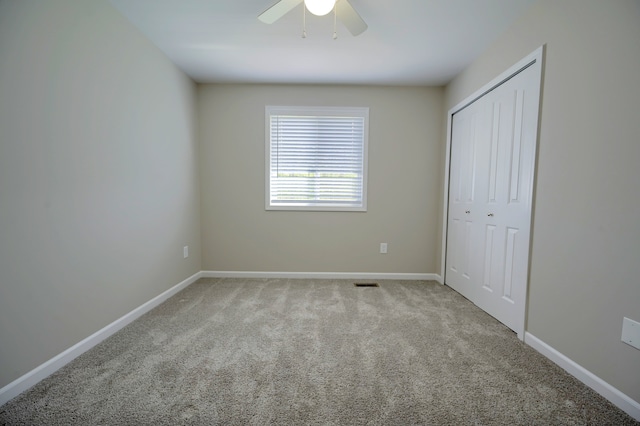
321 275
619 399
23 383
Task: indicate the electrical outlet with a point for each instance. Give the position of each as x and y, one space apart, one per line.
185 251
383 248
631 332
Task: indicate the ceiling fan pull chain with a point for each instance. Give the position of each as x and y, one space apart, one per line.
304 21
335 20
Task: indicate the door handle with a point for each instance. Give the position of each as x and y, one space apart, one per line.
490 215
467 211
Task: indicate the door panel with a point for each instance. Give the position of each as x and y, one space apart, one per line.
510 256
488 257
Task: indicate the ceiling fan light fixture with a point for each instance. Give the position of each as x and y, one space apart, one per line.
320 7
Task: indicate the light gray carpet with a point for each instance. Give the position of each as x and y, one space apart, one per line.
235 351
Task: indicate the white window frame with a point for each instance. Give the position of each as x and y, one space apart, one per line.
360 112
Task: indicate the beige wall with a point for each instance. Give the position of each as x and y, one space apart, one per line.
98 176
585 264
404 154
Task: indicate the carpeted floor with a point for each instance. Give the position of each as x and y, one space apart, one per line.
294 352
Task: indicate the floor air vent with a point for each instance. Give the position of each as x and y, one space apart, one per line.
366 284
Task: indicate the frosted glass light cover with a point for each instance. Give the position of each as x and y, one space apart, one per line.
319 7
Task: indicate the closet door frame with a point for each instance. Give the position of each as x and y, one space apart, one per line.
535 56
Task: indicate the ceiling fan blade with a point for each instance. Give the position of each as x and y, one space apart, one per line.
278 10
350 18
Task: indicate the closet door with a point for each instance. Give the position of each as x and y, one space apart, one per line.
506 201
493 144
468 152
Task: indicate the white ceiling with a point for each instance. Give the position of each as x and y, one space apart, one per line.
409 42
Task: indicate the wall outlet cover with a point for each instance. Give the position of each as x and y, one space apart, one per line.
631 332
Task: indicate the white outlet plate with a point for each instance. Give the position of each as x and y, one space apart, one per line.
185 251
383 248
631 332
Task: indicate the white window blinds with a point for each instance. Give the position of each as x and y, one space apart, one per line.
316 158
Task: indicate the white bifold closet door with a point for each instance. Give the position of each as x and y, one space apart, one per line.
491 177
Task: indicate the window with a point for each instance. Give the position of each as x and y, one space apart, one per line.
316 158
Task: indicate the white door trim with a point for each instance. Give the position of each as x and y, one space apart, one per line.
535 56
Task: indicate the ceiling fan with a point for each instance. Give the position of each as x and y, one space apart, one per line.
343 11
